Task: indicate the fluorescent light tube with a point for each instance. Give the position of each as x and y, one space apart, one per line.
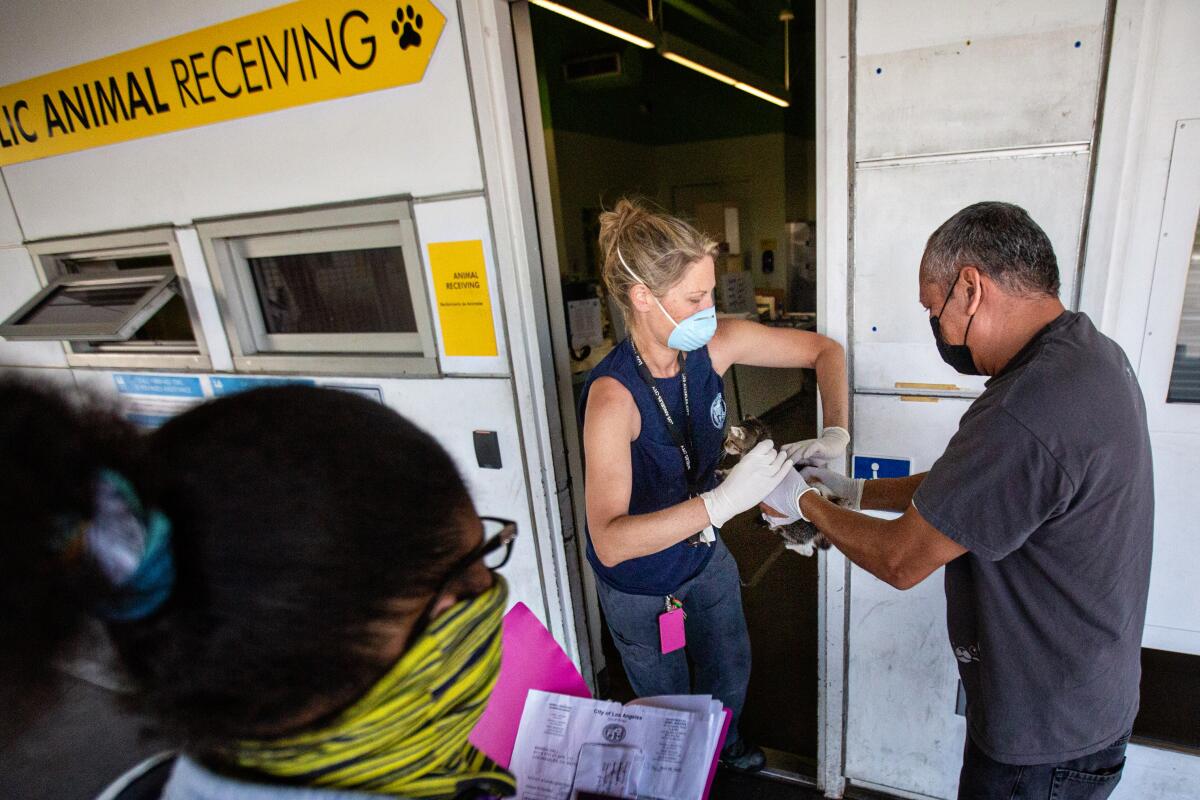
594 23
723 78
760 94
703 70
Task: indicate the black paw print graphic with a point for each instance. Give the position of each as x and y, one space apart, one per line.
411 22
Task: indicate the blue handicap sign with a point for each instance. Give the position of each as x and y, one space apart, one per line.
880 467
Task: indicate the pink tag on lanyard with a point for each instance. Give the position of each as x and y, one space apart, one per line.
671 631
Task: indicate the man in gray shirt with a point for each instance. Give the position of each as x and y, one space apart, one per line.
1041 509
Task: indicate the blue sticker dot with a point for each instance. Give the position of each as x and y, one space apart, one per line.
879 70
873 329
1079 44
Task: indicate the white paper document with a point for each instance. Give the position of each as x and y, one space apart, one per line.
583 319
608 770
652 749
702 705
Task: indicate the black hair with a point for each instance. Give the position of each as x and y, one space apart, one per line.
302 519
1002 241
51 449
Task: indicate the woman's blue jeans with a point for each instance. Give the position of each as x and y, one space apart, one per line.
718 643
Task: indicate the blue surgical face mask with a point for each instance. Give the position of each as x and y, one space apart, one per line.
691 334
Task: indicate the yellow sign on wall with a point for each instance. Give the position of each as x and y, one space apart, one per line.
464 304
292 55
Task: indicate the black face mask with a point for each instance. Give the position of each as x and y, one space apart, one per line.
957 356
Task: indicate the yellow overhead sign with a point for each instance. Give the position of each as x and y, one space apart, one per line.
292 55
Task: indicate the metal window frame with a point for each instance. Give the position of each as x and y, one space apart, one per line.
49 257
229 242
158 288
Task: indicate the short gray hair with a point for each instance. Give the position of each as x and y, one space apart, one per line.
1002 241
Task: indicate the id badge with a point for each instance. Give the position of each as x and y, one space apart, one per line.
671 631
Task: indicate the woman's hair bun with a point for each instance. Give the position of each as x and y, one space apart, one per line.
656 247
623 216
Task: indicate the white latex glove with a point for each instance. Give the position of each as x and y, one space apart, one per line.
832 444
847 492
755 475
785 498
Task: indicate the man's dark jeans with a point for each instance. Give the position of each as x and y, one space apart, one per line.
1090 777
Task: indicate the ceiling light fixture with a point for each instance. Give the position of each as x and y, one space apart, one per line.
592 22
703 70
699 59
761 95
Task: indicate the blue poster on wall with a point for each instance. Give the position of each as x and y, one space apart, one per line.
223 385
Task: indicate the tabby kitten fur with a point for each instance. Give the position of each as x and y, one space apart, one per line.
800 536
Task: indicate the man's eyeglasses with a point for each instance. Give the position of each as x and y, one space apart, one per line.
495 550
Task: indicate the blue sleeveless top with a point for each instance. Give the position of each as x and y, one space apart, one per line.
659 477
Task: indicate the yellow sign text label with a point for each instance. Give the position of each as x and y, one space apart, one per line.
464 304
296 54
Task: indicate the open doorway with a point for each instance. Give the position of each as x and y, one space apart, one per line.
662 119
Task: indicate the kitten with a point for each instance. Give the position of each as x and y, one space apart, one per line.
800 536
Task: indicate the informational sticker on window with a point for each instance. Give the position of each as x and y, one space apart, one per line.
162 385
150 400
464 304
294 54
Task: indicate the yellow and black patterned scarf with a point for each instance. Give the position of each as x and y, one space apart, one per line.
408 735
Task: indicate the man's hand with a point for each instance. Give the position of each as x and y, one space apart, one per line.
846 492
831 445
782 505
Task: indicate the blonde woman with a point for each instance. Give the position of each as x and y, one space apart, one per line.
653 425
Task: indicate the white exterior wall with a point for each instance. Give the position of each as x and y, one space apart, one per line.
422 140
417 139
955 103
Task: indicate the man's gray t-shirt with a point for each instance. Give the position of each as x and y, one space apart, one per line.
1048 483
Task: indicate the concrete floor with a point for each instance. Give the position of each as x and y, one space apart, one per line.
67 740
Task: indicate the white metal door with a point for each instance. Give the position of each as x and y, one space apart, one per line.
953 104
1173 327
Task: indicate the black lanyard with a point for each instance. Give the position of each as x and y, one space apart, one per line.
682 440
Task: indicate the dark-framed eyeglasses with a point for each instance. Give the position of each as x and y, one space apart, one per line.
499 535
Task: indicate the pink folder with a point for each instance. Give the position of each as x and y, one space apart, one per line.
712 770
531 659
